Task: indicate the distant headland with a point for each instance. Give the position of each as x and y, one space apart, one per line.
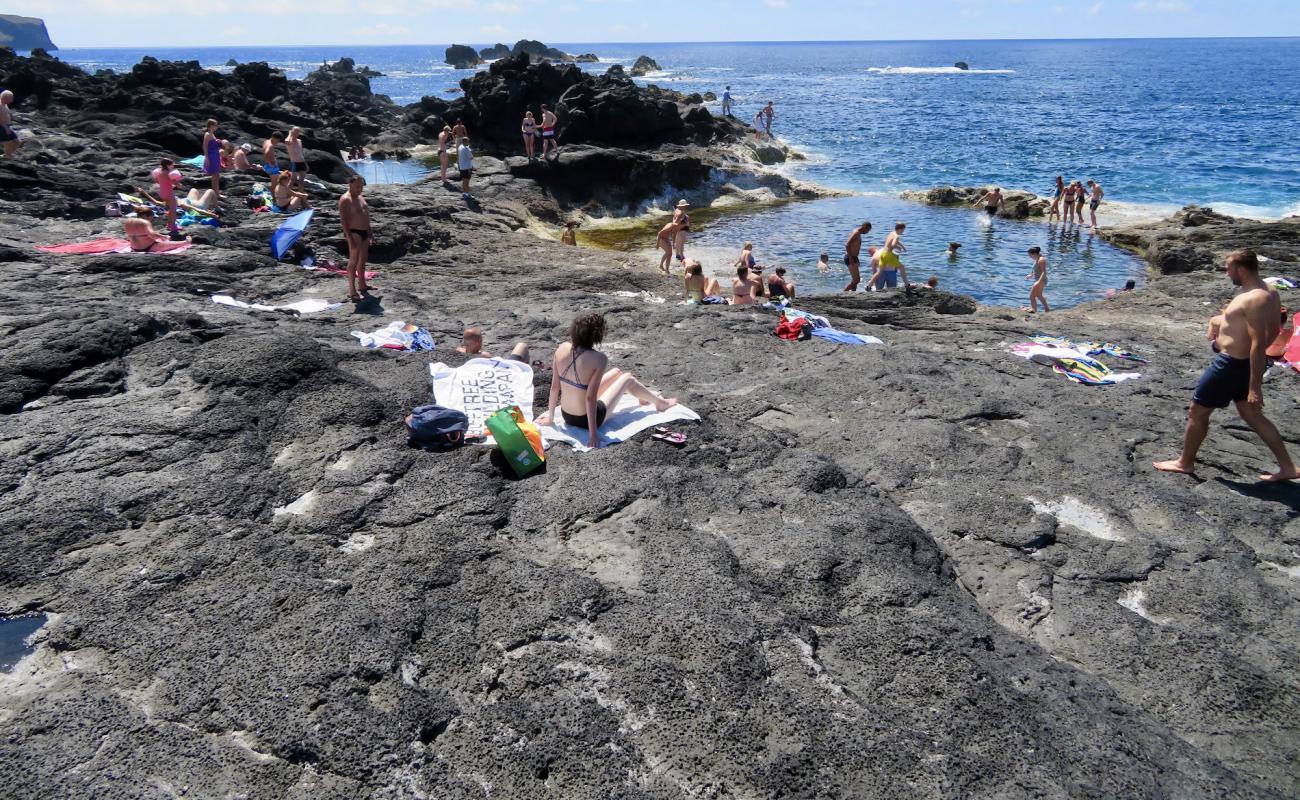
24 33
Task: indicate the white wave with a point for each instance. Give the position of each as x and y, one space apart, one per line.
938 71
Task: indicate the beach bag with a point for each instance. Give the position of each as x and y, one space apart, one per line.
521 446
433 427
796 329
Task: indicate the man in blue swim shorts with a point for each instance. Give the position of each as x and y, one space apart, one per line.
1240 336
271 165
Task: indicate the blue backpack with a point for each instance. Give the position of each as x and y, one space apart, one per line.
436 428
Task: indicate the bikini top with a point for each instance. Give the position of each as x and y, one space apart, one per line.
573 365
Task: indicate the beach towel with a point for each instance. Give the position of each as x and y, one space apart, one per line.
97 247
196 162
483 386
312 305
1293 351
397 336
1280 283
625 420
1088 348
1076 366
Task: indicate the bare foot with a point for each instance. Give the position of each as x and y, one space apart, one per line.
1281 476
666 403
1174 466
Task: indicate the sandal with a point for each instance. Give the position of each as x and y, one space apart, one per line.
671 437
355 298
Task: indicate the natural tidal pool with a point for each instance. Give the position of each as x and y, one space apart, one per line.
991 265
391 171
14 633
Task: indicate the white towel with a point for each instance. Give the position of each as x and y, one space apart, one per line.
312 305
483 386
624 421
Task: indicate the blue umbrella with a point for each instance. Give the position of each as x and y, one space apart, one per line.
288 233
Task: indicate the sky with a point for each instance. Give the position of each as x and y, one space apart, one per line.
138 23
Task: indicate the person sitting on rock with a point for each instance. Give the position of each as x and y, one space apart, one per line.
202 199
7 133
286 200
778 286
583 385
142 236
240 157
271 162
471 344
570 234
700 289
745 287
227 155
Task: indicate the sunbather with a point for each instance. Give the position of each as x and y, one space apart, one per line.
744 287
284 196
698 287
585 387
471 344
141 234
240 157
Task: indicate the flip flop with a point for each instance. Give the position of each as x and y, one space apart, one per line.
671 437
539 365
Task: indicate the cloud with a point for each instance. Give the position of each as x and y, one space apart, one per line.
494 29
1095 9
776 3
506 8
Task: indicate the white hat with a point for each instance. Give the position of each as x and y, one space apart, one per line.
683 204
246 147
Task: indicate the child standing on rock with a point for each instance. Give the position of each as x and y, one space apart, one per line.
168 178
1039 277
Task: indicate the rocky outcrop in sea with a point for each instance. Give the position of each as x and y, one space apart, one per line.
928 569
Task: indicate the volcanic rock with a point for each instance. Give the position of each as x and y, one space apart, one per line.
644 66
1016 204
587 58
494 52
539 51
463 56
962 65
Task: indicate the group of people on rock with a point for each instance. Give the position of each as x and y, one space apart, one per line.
1072 197
457 137
529 129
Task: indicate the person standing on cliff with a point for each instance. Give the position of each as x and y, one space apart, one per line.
529 130
549 121
465 160
852 256
444 142
683 221
726 102
7 133
212 156
1240 337
270 162
297 161
354 216
768 114
459 132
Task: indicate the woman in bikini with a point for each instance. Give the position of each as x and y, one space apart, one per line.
744 288
1080 198
699 287
585 387
1055 210
286 200
529 130
1067 201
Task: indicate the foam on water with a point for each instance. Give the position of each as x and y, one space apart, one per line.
938 71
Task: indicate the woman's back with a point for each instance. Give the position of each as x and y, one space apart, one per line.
577 369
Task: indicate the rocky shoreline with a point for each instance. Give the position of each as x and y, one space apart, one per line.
929 569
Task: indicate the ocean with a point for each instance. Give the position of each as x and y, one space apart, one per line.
1159 123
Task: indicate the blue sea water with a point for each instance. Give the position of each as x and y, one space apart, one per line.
1159 123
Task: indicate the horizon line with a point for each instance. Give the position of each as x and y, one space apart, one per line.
700 42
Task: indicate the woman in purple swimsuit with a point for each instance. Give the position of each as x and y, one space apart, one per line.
212 156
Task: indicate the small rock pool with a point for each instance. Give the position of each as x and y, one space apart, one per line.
15 633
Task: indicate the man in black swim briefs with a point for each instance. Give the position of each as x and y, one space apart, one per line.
1240 336
354 215
852 256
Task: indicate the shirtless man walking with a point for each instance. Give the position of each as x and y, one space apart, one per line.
992 200
1240 335
887 260
354 215
7 133
852 256
297 161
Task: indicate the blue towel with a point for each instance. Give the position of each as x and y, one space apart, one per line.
840 337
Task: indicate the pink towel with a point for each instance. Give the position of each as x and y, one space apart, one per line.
1293 350
101 246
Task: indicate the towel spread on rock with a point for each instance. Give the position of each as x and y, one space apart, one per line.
1073 364
1293 351
196 162
397 336
97 247
822 329
625 420
312 305
1280 283
1088 348
483 386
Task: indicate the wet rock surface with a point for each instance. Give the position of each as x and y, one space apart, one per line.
1016 203
929 569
